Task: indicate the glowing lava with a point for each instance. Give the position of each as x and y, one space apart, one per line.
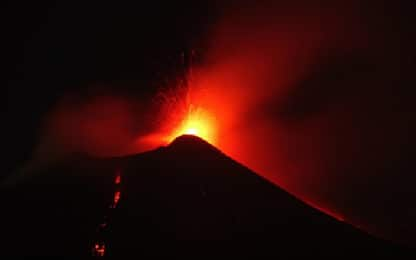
192 131
198 122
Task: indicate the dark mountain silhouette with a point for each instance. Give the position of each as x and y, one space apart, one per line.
184 199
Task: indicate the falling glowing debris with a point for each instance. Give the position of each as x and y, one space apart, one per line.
117 194
118 179
98 250
116 197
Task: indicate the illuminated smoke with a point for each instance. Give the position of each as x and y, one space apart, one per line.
257 56
300 94
295 91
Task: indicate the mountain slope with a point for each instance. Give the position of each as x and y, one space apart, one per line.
187 198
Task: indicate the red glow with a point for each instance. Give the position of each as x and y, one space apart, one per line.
116 197
99 250
98 125
326 211
118 179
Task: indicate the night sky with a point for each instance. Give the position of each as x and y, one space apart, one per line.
341 128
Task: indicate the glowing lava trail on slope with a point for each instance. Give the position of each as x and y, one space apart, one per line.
99 246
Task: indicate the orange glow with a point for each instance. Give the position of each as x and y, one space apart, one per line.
198 122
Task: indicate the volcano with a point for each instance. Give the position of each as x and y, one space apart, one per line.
184 199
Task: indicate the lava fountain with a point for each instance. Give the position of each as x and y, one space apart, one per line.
199 122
